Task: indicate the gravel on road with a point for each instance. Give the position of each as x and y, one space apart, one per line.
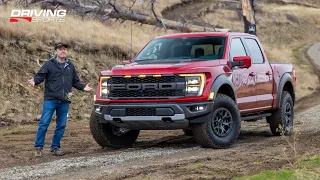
73 164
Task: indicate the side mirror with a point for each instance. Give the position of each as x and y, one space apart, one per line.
242 61
126 61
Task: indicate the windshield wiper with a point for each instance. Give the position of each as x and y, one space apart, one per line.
146 60
182 59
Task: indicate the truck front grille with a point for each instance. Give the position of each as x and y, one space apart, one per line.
148 79
169 86
132 94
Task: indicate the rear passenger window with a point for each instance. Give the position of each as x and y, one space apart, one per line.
237 48
255 51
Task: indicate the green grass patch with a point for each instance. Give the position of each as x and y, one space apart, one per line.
192 166
313 161
308 168
271 175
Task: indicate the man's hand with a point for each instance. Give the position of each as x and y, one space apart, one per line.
87 88
31 81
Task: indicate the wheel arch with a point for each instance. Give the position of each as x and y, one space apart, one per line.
286 84
224 85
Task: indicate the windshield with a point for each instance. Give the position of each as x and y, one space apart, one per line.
173 49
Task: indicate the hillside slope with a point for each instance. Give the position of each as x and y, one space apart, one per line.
94 47
283 27
97 46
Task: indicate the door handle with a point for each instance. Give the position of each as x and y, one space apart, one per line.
268 73
252 74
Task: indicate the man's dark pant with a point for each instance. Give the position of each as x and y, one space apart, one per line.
49 107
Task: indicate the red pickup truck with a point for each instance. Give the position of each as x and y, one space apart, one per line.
203 83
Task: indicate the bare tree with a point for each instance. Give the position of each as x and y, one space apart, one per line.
110 9
248 14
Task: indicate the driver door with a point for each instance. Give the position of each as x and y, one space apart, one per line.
243 79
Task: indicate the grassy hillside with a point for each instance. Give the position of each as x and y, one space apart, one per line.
96 46
282 28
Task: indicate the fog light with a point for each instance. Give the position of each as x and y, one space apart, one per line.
197 108
200 108
98 109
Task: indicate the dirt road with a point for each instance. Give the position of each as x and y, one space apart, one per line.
158 154
170 155
314 53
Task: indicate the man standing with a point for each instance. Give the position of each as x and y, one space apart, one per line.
60 76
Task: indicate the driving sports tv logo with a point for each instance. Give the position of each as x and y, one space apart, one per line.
38 15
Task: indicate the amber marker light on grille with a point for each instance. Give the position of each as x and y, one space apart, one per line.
127 76
157 75
142 76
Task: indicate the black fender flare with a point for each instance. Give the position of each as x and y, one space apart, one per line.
220 81
284 79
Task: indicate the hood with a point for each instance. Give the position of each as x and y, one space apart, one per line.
161 68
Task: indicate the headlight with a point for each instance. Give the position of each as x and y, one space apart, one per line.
193 80
194 84
104 84
104 91
194 89
104 87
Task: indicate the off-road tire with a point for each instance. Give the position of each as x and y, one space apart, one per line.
205 134
279 125
103 135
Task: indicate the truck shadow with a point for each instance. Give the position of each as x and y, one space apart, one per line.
184 141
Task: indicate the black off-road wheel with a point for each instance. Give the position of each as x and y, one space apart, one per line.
223 128
108 135
281 120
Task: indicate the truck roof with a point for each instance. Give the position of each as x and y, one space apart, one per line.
201 34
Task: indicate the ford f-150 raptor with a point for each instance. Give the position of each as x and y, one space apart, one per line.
203 83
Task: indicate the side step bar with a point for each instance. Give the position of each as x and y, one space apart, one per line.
255 117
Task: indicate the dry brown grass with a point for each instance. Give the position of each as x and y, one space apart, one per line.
95 47
144 7
307 2
282 29
91 32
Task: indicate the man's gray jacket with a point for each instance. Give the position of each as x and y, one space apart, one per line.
59 80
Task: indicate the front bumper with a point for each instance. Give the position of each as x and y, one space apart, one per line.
163 116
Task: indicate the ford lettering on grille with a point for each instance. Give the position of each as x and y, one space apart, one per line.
148 87
151 86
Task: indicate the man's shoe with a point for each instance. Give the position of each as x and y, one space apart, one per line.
57 152
38 152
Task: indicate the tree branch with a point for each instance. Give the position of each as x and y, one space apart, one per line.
113 5
153 12
126 15
133 3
